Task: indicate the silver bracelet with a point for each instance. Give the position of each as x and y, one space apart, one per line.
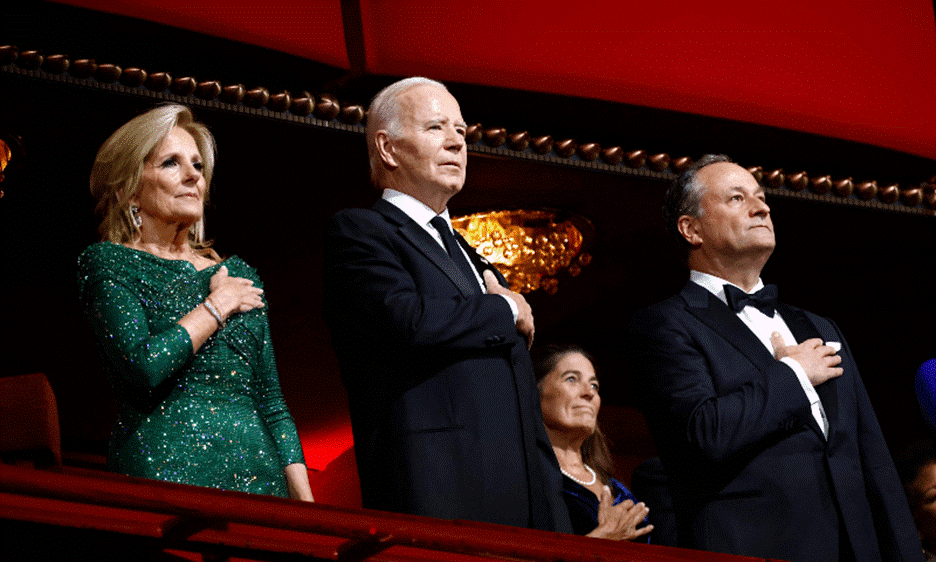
214 312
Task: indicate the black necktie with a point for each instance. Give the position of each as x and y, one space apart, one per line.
455 252
764 300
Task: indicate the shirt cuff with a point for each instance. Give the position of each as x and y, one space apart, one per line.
804 381
513 307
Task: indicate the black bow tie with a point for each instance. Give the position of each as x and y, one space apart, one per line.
764 300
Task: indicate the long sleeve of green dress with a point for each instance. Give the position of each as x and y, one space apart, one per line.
212 418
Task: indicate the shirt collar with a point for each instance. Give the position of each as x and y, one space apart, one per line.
414 208
716 285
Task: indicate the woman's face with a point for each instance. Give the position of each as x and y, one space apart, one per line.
569 396
173 189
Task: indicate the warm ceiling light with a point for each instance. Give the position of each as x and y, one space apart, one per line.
528 246
11 148
5 154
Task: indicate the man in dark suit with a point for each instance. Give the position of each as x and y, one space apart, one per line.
432 346
757 408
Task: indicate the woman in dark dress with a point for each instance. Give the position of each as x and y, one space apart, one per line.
183 334
599 505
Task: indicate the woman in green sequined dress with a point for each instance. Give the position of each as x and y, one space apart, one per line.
183 334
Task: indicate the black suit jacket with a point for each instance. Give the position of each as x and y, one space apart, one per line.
750 471
444 406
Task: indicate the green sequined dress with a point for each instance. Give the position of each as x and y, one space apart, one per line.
213 418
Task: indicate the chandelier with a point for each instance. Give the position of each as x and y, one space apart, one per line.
528 246
11 148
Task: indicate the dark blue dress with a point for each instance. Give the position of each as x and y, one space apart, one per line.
583 504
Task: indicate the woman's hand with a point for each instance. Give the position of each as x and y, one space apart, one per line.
297 479
228 295
233 294
619 522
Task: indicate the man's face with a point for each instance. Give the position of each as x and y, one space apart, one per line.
924 486
735 219
430 150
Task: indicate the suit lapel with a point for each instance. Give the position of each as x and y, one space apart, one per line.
716 315
803 329
722 320
799 325
422 241
479 262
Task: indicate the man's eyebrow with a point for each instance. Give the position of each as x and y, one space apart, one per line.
739 189
443 120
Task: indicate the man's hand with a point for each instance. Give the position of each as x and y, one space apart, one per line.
524 312
818 360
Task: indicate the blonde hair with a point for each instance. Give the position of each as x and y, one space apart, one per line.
383 113
116 177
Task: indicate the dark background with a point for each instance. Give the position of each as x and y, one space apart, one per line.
277 181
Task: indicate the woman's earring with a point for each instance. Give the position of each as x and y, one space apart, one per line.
135 216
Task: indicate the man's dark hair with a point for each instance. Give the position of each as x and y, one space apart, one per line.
914 458
684 197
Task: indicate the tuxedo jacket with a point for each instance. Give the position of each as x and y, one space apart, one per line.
443 402
749 468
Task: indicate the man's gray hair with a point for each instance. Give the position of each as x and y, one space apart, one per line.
383 113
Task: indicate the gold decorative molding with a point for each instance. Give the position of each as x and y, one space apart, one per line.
326 110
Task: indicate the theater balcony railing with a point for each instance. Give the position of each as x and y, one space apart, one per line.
79 514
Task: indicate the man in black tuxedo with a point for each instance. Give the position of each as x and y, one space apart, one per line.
758 411
431 344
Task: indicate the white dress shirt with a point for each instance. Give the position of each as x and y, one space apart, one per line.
422 214
763 326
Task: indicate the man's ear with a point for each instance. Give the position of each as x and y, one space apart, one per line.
689 229
386 149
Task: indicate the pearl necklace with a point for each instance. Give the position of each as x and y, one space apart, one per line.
582 482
